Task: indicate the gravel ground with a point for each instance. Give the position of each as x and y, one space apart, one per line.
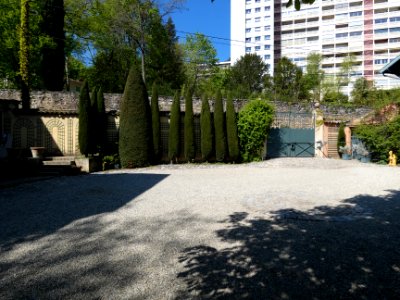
279 229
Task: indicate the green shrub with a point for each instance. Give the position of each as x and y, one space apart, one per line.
101 130
219 128
254 121
155 117
174 129
380 139
206 129
135 133
231 130
84 123
189 145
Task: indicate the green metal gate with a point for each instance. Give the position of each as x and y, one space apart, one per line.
292 135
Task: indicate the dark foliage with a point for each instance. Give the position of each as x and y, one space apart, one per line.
231 131
174 129
101 129
53 56
135 133
341 142
206 129
189 145
219 128
84 111
155 118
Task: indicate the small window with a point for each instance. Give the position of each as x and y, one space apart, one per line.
267 8
248 11
257 9
257 48
356 13
267 47
267 37
248 30
355 33
257 29
268 27
380 21
257 38
258 19
248 49
248 40
267 56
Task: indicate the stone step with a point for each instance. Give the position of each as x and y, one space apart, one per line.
58 162
59 158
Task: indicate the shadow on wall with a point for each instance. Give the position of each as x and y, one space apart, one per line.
32 217
346 252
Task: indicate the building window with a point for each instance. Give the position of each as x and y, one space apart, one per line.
257 9
248 11
395 19
381 61
257 29
267 56
267 37
383 30
248 20
257 38
380 21
248 40
248 49
257 48
267 8
342 35
355 33
257 1
248 30
394 29
267 28
394 40
356 13
267 47
258 19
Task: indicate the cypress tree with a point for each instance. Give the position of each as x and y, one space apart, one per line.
101 121
189 127
53 63
135 133
341 142
231 130
206 129
219 127
93 122
174 129
155 117
84 109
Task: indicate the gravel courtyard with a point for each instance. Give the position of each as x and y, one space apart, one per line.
279 229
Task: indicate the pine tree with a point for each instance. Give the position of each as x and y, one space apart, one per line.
219 127
84 110
174 129
101 121
206 129
231 130
135 133
155 117
189 127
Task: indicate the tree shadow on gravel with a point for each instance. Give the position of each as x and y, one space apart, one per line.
31 211
346 252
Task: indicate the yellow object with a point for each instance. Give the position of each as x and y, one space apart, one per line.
392 159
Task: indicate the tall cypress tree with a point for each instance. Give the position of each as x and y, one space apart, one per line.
219 127
174 129
101 121
155 117
84 110
53 63
24 41
93 122
190 151
231 130
206 129
135 133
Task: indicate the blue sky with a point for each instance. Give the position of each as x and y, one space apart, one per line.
211 19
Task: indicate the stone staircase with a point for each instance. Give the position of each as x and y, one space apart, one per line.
58 166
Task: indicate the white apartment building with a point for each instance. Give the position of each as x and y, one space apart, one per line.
369 29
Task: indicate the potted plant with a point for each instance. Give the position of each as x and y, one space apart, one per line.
346 152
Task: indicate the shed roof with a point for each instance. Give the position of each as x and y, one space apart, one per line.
392 67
